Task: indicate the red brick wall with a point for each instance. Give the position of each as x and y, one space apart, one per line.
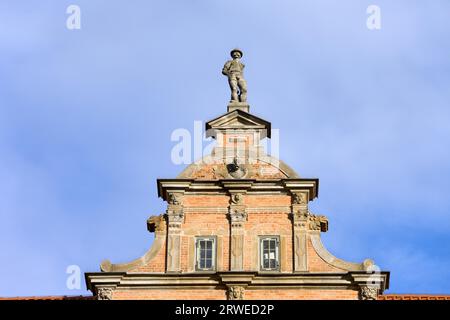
305 294
157 264
316 263
220 294
212 223
170 294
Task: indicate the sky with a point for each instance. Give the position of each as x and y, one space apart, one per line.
86 117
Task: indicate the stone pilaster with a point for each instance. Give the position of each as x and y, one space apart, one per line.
175 218
237 216
300 228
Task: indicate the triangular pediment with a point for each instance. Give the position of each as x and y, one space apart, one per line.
237 119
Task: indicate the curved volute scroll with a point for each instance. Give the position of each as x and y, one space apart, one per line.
329 258
156 224
309 226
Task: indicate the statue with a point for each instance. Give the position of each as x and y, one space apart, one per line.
234 70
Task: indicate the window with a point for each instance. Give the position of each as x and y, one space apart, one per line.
206 253
270 253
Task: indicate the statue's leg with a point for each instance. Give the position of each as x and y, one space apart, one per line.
242 89
234 88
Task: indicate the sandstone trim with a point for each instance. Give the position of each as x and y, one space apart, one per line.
157 245
334 261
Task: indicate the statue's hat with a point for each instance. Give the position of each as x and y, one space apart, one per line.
236 50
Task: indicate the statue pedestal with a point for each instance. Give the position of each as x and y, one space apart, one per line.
243 106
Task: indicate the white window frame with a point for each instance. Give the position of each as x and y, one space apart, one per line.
213 254
276 239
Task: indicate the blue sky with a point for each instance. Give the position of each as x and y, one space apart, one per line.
86 117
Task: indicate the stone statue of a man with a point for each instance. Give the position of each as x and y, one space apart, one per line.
234 70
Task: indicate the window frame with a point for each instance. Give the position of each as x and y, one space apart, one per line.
213 253
277 253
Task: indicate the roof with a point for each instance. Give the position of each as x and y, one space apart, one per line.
413 297
50 298
238 119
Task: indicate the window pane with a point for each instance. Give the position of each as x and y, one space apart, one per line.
205 254
269 253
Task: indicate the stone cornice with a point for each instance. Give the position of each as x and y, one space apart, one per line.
250 280
237 120
165 186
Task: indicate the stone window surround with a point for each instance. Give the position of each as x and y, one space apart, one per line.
260 253
214 255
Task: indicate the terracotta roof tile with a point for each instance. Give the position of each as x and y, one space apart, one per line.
50 298
413 297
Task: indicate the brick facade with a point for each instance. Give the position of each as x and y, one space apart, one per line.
234 199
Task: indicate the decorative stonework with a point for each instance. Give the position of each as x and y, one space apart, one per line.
305 220
156 223
237 217
236 293
174 213
256 169
238 214
215 197
174 199
369 293
237 170
175 218
104 293
299 198
236 199
318 223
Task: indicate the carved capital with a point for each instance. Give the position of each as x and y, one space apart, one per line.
305 220
174 199
105 293
368 293
300 198
175 219
237 215
236 293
